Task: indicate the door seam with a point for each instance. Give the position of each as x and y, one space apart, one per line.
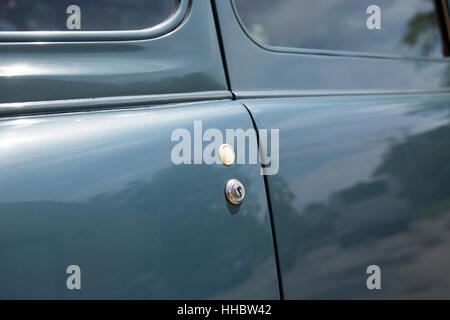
271 217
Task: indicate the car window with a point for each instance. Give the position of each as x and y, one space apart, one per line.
83 15
399 27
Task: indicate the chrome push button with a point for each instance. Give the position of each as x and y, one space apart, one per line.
226 154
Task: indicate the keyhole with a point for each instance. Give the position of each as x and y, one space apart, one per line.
239 191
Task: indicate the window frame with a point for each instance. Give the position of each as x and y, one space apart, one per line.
169 24
443 12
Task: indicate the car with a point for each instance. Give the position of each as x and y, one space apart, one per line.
224 149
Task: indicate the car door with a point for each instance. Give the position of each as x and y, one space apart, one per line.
360 191
93 204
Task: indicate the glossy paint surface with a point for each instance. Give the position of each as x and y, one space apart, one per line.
99 190
185 60
255 69
362 181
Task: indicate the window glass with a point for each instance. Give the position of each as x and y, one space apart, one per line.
400 27
83 15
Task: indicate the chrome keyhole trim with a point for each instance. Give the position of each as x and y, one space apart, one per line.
234 191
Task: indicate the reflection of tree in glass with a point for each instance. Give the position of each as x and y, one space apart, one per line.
258 32
423 32
6 6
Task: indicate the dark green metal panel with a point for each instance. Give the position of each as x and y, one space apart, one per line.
183 61
362 180
363 167
99 190
257 70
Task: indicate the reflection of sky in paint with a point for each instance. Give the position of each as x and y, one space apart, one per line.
338 25
45 144
41 146
344 162
342 142
63 155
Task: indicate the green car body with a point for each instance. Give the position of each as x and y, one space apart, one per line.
86 176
